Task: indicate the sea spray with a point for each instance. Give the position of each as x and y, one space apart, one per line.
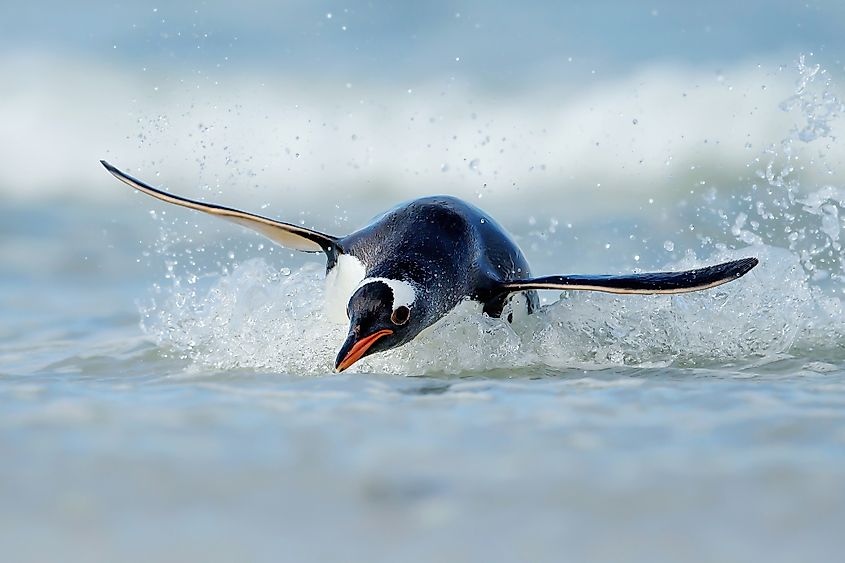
249 315
783 209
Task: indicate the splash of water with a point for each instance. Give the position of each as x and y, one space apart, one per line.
254 316
780 210
257 318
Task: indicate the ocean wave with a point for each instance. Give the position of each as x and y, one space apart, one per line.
257 139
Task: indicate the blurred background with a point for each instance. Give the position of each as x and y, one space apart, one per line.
605 135
302 100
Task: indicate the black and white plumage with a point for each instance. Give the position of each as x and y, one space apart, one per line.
414 263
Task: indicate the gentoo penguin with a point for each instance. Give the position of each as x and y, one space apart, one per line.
414 263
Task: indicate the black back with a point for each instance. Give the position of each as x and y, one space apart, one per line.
448 247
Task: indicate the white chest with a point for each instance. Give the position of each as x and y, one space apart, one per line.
341 282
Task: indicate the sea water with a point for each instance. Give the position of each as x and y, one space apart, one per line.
166 385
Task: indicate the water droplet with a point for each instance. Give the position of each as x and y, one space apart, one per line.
635 121
669 246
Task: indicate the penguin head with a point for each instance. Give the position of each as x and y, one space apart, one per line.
383 314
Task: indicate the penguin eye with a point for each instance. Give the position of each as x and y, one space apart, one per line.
401 315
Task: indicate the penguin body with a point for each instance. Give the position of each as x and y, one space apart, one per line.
411 265
447 248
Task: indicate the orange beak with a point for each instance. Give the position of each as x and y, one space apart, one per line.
359 349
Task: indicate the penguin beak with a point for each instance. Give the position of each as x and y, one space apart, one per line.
353 350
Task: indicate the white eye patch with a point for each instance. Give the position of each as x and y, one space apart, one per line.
403 292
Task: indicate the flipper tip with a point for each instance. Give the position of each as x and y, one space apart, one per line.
745 265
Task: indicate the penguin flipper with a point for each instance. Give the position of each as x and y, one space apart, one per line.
646 283
285 234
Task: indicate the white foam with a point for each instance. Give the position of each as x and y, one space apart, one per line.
254 318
